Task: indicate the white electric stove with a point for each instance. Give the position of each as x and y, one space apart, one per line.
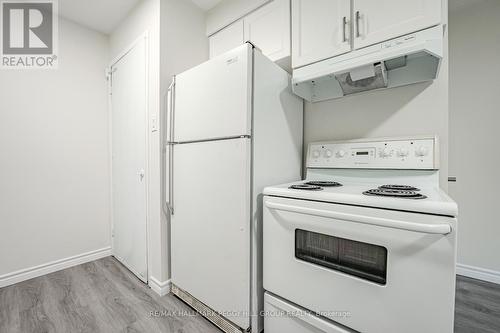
367 243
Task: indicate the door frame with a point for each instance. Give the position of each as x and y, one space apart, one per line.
109 74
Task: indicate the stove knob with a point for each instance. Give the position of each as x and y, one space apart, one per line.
403 152
340 153
316 154
421 151
386 152
328 153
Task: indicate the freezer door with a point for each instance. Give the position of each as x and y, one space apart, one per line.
213 100
210 224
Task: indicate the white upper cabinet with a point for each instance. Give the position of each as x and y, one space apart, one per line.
377 21
226 39
320 30
323 29
268 28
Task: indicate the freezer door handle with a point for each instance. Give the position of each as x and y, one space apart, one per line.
171 111
438 229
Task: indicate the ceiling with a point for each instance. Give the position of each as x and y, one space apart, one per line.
206 4
101 15
105 15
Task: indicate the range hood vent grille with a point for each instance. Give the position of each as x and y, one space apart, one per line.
406 60
363 79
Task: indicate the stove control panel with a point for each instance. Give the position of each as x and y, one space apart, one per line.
415 153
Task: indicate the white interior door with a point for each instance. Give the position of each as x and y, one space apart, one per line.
377 21
129 114
211 224
212 100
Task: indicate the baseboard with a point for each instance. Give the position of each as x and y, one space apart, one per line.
478 273
54 266
161 288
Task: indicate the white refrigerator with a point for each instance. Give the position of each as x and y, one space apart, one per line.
234 127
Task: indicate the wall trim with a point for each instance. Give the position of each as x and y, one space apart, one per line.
53 266
478 273
161 288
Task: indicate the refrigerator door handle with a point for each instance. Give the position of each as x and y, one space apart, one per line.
169 147
165 155
171 178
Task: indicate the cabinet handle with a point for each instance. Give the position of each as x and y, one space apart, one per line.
358 17
344 24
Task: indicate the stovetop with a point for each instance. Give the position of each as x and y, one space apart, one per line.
419 199
392 191
396 191
323 183
389 173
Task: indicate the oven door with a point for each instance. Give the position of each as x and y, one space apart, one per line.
391 271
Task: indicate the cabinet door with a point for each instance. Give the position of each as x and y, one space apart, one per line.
268 28
320 30
377 21
226 39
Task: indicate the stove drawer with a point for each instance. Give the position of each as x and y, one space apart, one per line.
282 316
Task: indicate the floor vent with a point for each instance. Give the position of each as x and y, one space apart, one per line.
218 320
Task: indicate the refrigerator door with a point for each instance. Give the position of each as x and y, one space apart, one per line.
211 224
213 100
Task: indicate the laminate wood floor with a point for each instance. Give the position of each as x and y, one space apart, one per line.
477 306
100 296
103 296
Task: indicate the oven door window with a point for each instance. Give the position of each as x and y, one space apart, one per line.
363 260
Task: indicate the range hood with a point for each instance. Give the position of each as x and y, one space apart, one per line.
401 61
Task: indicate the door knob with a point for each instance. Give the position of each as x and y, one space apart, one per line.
141 174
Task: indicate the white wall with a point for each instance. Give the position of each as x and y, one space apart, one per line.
184 44
229 11
474 119
412 110
405 111
54 139
54 170
145 17
177 42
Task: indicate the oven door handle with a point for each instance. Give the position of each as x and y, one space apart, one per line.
438 229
